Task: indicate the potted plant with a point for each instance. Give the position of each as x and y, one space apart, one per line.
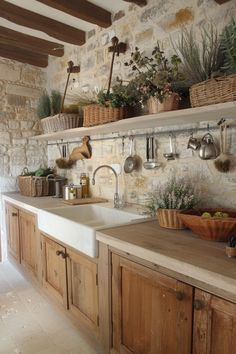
169 199
154 78
206 63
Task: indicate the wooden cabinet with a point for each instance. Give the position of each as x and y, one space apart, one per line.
83 287
28 237
214 330
151 312
13 233
54 270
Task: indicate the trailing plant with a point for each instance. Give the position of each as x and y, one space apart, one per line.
228 46
200 59
176 194
44 106
121 95
55 102
154 74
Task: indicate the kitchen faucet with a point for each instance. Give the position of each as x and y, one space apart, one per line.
116 195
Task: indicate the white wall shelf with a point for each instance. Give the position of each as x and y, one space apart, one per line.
166 119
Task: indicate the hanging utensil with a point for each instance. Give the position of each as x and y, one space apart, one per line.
222 163
170 155
208 149
132 161
151 163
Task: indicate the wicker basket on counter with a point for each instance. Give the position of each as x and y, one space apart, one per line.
62 121
95 114
212 91
32 186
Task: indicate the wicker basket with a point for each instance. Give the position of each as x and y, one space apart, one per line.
169 219
95 114
219 90
170 103
32 186
62 121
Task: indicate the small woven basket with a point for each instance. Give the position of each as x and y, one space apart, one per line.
169 219
62 121
32 186
95 114
212 91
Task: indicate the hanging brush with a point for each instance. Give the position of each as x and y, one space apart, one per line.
222 163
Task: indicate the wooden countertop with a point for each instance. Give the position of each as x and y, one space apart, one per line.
203 263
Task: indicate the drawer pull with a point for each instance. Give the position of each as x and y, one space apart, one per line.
198 305
14 214
62 254
179 295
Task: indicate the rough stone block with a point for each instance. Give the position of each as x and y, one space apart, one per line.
16 100
5 138
21 90
19 141
13 124
9 72
145 36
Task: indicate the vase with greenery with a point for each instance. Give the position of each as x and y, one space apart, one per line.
155 76
169 199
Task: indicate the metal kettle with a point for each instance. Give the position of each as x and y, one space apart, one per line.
208 149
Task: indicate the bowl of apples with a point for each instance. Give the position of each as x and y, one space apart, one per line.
213 224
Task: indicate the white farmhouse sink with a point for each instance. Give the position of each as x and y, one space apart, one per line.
76 225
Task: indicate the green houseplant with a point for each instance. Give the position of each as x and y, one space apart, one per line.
169 199
154 78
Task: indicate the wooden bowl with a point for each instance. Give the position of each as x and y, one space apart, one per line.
212 229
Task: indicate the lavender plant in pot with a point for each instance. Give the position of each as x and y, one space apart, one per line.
155 76
169 199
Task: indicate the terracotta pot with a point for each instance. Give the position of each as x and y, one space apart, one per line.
170 103
168 218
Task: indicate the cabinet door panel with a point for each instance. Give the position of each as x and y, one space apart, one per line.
13 236
54 270
82 284
28 237
214 325
152 313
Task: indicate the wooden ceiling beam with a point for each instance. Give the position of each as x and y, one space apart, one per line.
137 2
32 20
34 44
83 10
220 2
23 56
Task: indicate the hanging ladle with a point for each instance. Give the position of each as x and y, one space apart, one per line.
170 155
151 163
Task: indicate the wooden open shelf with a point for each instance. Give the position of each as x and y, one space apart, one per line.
172 118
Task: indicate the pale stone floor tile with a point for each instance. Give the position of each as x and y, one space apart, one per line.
30 324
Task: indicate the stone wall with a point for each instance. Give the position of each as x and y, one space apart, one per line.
20 87
142 27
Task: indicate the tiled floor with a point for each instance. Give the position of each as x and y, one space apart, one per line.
31 324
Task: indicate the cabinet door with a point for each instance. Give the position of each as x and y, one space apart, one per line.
28 236
151 312
214 329
83 288
13 236
54 270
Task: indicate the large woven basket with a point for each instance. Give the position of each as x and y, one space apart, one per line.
218 90
61 122
95 114
32 186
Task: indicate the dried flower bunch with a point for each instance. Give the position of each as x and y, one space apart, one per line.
176 194
155 74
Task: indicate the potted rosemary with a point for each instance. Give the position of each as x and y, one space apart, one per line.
154 78
169 199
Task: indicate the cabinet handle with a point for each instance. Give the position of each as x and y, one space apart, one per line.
179 295
198 305
14 214
62 254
